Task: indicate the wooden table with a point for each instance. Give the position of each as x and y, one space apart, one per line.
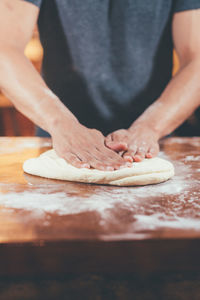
55 227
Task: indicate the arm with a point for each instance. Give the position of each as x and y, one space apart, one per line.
19 80
21 83
182 95
179 99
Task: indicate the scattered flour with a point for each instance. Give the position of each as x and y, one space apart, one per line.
59 203
22 144
192 158
158 221
194 142
168 205
46 199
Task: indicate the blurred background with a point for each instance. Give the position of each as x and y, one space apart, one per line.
13 123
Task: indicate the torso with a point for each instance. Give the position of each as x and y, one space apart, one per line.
107 60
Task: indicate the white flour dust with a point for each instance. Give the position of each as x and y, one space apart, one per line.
168 204
157 221
45 199
59 203
192 158
22 144
194 142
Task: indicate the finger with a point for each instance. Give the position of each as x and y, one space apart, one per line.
149 155
119 135
116 146
96 160
128 155
111 158
153 151
140 154
109 138
75 161
115 143
99 165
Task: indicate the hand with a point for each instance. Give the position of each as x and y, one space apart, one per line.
83 147
134 144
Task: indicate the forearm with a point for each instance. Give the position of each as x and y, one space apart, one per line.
178 101
24 86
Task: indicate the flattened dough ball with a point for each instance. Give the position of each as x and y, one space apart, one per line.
149 171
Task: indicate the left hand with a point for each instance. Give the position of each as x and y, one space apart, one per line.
134 144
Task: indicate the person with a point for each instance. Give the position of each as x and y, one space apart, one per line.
107 96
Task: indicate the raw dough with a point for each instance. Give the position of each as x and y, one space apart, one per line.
149 171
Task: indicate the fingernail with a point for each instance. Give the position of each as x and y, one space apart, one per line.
137 158
128 158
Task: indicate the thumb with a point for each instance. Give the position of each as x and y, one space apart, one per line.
116 146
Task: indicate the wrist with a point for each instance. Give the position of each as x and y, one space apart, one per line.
60 122
145 127
55 115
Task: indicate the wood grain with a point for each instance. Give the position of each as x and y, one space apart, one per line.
55 227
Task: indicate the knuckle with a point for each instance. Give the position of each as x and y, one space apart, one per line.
85 157
121 131
116 135
96 132
108 137
132 147
141 150
131 153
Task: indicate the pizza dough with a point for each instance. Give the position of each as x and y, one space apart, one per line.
149 171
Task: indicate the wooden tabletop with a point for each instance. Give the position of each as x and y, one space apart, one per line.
52 226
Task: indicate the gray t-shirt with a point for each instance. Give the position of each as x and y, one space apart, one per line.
108 60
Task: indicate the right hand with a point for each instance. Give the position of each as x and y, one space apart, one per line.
84 148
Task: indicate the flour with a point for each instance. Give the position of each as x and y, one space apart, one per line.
194 142
192 158
22 144
156 221
166 205
59 203
102 199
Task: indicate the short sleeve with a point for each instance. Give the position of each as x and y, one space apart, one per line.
181 5
36 2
